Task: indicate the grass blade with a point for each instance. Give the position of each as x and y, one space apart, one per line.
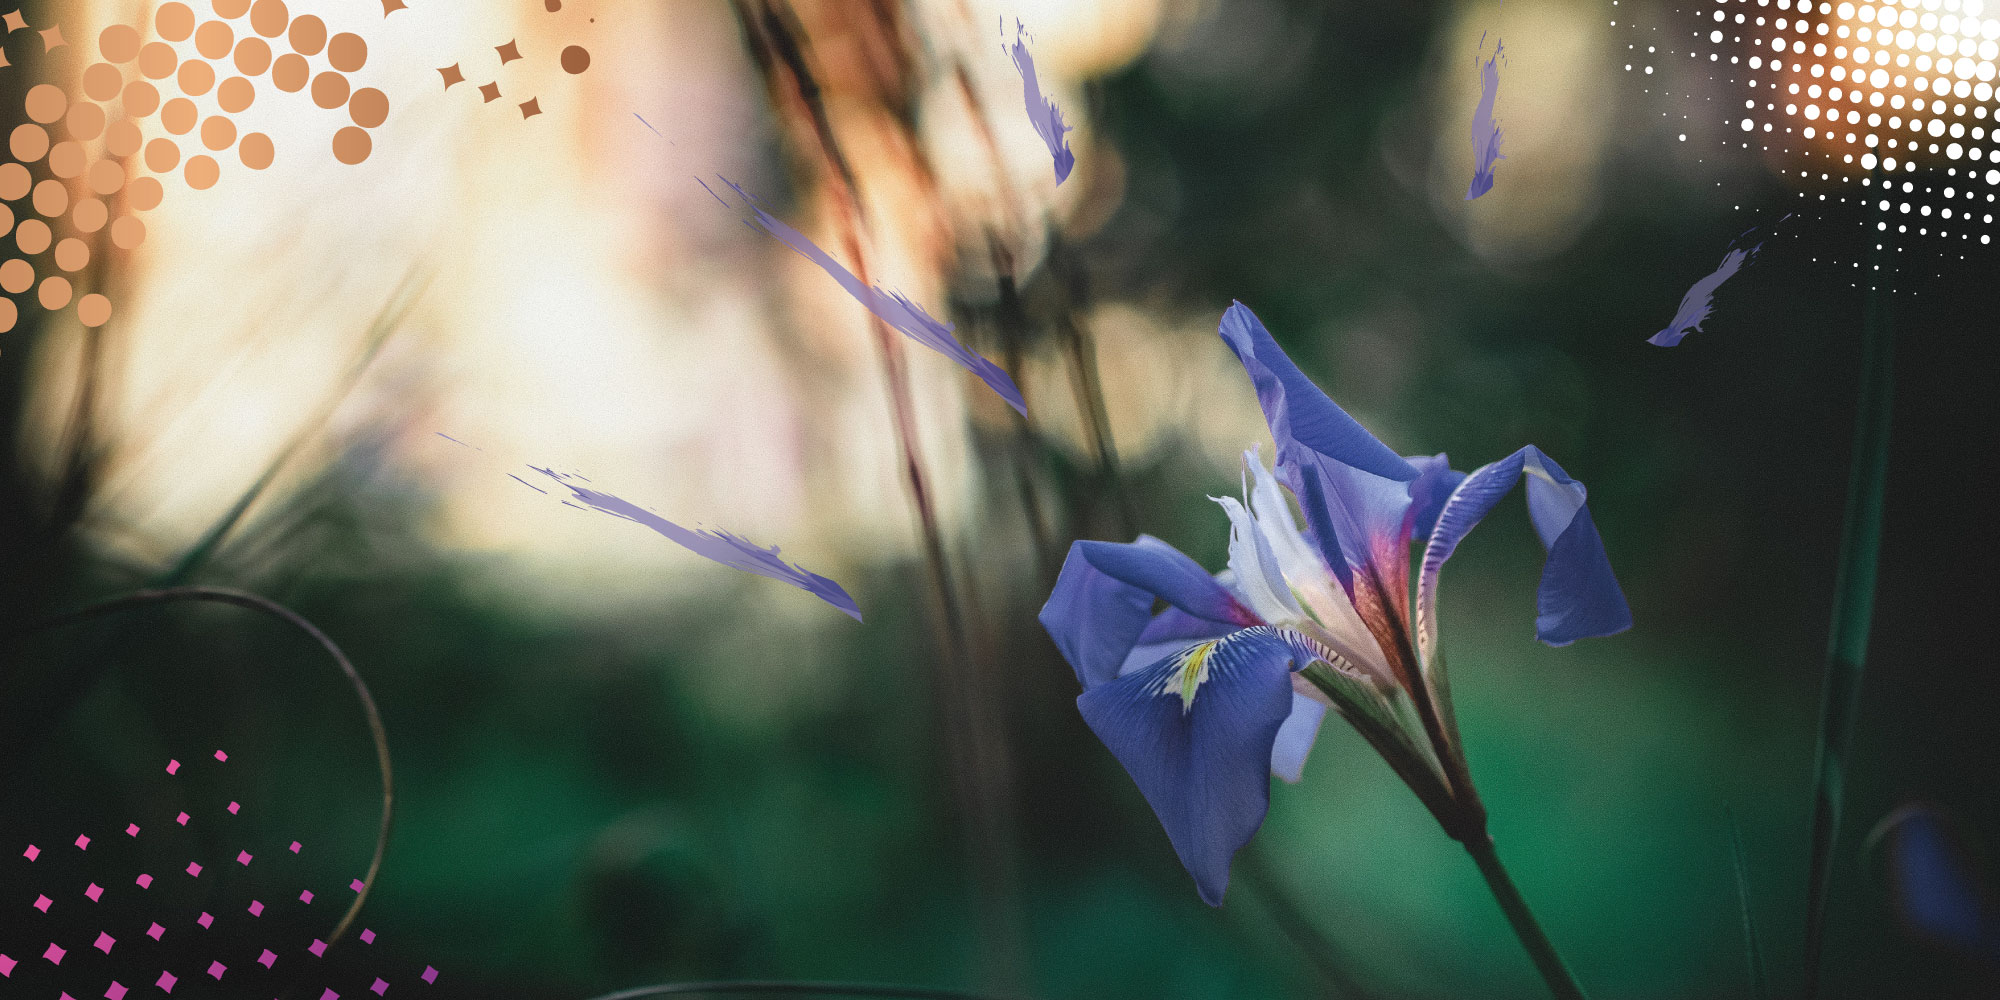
1753 954
1853 609
386 322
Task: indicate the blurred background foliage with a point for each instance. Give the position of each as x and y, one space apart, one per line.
616 766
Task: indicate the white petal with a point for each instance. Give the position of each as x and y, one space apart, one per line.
1256 568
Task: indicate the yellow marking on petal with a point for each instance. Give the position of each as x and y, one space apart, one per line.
1189 674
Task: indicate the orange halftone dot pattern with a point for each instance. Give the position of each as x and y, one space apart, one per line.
191 54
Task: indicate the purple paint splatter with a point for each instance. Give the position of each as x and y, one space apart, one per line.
1699 301
1042 112
718 546
1485 131
649 125
894 309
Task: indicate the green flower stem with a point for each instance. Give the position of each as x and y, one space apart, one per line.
1853 610
1561 983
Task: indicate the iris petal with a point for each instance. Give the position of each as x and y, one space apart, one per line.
1300 415
1579 596
1255 566
1103 601
1296 736
1196 731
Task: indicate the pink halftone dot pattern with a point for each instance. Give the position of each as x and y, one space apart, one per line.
116 992
306 896
82 842
32 852
256 908
216 969
430 975
243 858
233 807
42 903
145 881
267 959
318 947
205 920
367 936
182 819
55 953
380 987
166 981
194 868
155 931
7 966
132 830
173 766
95 892
219 755
104 942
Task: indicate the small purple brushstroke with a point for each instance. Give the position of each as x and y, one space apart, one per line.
718 546
529 485
649 125
453 440
893 308
1042 112
1699 302
1485 131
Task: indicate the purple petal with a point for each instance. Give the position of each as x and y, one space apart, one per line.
893 308
1302 418
1699 301
1432 487
1103 601
1296 737
1351 487
1578 598
1203 763
1042 112
718 546
1485 131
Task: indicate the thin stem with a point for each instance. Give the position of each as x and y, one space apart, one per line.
1550 964
1853 611
264 605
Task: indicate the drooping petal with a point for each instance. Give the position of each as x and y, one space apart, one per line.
1103 601
1196 732
1579 596
1432 487
1296 737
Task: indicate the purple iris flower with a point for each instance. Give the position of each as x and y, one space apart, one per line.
1203 701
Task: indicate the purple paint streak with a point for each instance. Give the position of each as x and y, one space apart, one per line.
1699 301
529 485
649 125
893 308
1485 131
717 546
1042 112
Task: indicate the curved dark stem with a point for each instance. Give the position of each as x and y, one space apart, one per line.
1562 984
793 987
245 599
